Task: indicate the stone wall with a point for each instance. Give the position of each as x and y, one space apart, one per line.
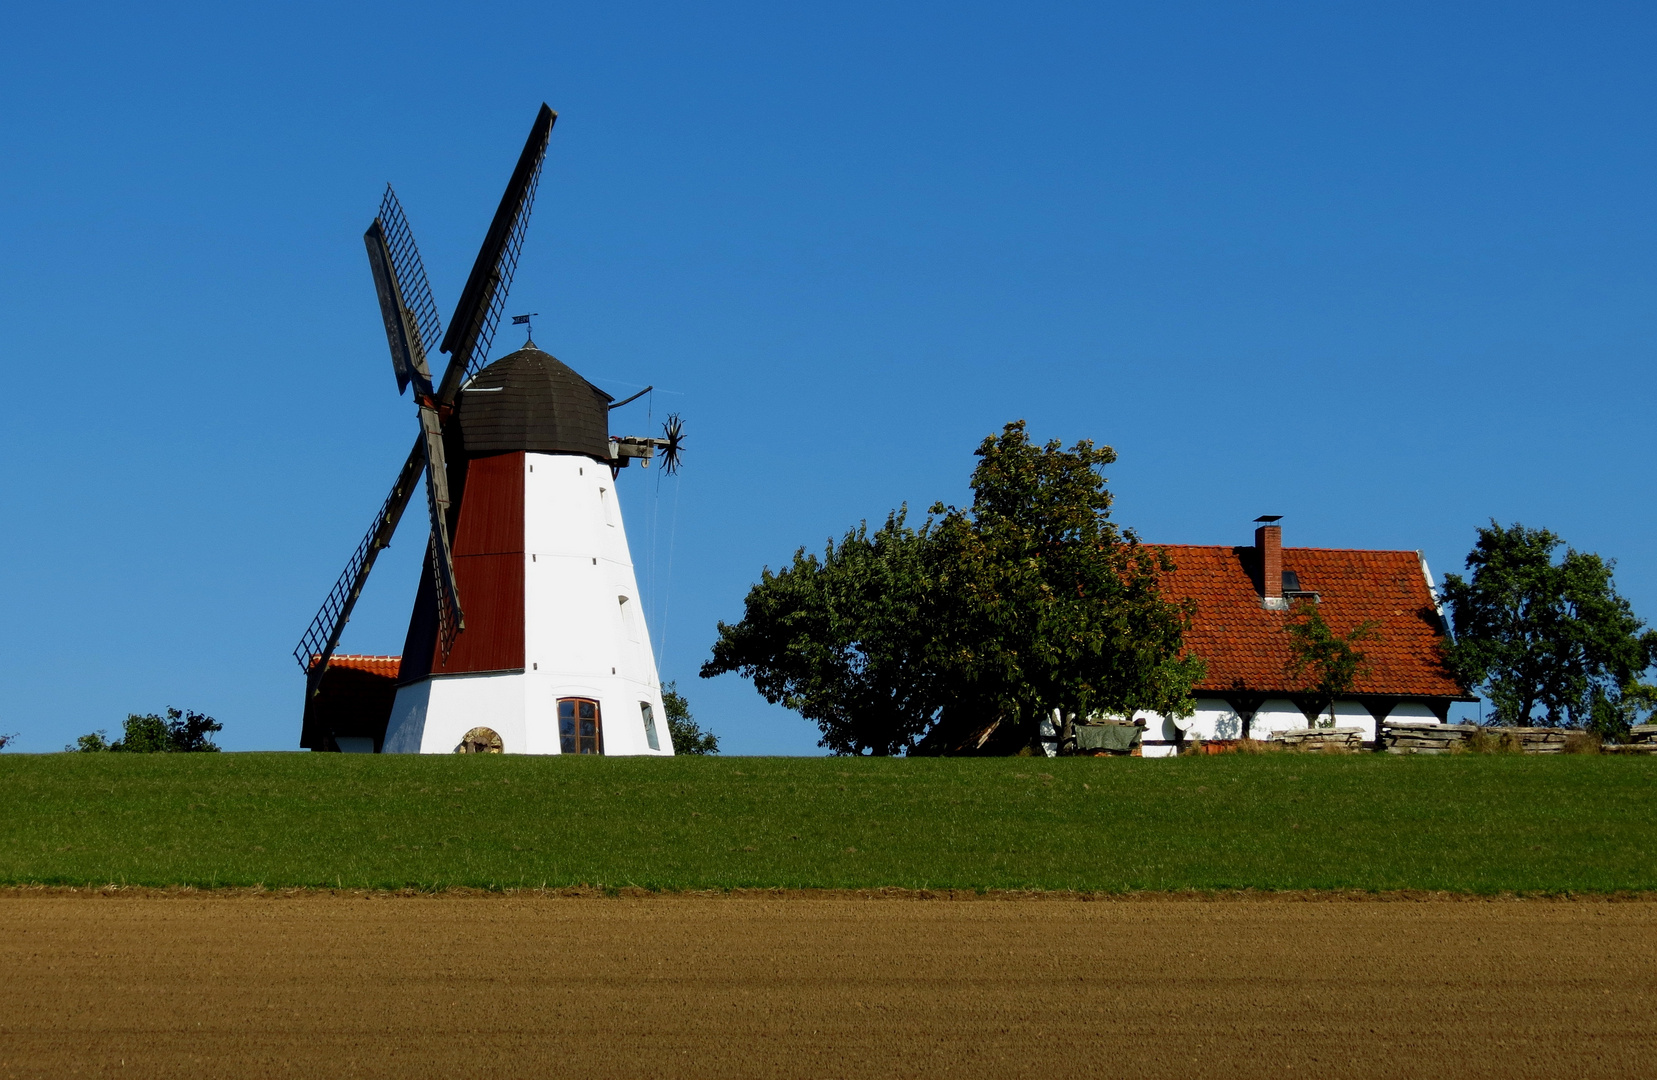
1314 739
1405 737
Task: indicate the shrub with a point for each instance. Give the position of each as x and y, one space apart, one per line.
183 732
1491 740
688 736
1583 742
1479 742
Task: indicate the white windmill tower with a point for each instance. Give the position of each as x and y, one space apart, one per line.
527 634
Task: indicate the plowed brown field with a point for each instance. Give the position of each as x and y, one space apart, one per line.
345 986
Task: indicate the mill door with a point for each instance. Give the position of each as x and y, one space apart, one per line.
580 728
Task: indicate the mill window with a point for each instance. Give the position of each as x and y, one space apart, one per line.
580 729
650 725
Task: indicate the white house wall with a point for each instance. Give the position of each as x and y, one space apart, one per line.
1214 719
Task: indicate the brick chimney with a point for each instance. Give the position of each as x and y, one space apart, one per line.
1268 542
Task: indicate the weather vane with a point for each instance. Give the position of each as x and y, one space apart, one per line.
523 321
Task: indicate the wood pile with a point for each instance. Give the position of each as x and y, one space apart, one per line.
1314 739
1424 737
1536 740
1642 739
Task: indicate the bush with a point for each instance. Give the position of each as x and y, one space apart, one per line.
180 733
687 736
1491 740
1583 742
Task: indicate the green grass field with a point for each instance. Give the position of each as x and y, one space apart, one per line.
1472 824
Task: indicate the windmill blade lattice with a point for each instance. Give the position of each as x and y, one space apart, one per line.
411 273
322 637
472 330
412 326
402 334
408 357
507 268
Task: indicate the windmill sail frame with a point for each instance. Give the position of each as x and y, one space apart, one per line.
411 323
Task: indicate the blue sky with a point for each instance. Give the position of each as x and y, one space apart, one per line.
1387 270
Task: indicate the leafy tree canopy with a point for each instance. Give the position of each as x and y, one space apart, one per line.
688 736
843 639
1546 641
1029 600
180 733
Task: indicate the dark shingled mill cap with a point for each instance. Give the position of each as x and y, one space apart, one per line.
529 400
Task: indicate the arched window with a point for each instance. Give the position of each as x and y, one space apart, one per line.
580 728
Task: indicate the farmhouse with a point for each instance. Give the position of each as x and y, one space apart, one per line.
1244 599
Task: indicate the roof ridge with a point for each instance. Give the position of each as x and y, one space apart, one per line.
1250 547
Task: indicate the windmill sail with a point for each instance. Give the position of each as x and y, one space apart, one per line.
408 358
472 329
411 323
450 619
411 273
322 638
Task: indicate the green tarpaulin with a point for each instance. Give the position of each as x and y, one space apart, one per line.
1118 737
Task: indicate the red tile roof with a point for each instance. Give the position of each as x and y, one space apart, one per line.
386 666
1246 646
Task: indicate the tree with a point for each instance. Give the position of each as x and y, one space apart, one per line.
1045 604
687 736
1027 601
1546 641
844 640
1328 662
180 733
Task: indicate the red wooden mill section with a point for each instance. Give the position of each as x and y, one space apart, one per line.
489 568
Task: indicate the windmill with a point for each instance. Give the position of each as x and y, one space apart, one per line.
484 603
